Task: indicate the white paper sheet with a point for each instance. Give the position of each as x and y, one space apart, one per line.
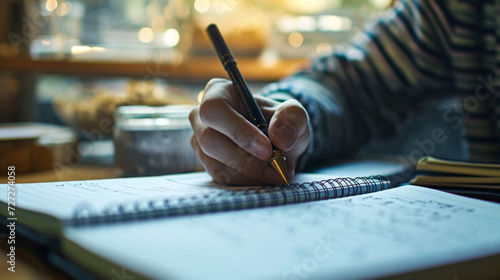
372 235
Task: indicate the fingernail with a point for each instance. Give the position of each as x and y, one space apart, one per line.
258 148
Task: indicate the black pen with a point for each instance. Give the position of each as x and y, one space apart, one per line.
277 161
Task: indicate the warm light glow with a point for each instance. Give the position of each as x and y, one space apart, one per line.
176 58
380 4
151 8
200 96
334 23
145 35
158 23
80 49
171 37
64 9
306 6
295 39
51 5
305 23
202 6
269 58
323 49
85 49
45 42
286 24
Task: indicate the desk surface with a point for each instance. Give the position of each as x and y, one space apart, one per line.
83 172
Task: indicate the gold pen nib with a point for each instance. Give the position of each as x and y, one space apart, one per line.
277 162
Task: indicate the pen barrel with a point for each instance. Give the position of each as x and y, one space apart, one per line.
246 97
277 161
229 63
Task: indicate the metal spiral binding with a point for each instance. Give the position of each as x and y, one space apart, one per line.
218 201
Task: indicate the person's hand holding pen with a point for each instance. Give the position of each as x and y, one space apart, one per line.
232 149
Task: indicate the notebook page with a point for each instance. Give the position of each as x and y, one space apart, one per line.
61 199
372 235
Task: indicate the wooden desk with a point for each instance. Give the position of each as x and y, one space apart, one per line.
84 172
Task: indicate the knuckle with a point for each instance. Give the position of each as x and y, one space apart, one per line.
206 140
207 109
213 82
239 136
215 87
295 111
295 115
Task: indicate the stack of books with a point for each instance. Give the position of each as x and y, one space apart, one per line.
461 177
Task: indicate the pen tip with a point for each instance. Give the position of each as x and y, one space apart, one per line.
277 162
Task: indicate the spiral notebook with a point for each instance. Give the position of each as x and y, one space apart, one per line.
185 227
406 232
49 207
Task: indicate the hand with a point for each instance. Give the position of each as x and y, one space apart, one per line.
234 151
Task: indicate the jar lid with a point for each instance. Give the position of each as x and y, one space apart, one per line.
142 111
152 117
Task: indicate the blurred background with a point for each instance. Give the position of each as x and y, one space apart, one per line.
110 82
53 51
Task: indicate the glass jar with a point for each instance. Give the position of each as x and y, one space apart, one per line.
154 140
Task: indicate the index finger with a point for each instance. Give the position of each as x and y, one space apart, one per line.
219 111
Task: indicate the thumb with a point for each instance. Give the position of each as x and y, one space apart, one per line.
288 124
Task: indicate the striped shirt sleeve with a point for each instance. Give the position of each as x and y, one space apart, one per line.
365 91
